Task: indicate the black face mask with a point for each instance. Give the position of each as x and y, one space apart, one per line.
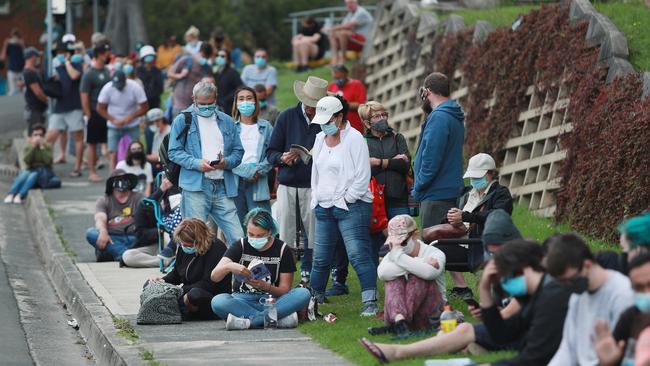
140 156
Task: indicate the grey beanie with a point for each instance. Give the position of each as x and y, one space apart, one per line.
499 228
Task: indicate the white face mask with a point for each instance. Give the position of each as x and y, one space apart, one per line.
409 247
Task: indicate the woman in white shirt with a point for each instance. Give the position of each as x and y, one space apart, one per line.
341 200
255 135
136 163
414 275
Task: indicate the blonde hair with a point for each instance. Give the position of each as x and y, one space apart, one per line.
194 231
365 110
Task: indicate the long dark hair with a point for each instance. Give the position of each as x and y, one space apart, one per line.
129 154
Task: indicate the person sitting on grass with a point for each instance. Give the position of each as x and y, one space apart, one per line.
37 155
243 309
414 275
199 252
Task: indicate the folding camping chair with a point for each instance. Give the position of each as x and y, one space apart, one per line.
160 225
461 263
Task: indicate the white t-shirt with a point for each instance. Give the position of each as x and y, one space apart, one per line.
122 103
251 75
144 174
329 166
250 138
363 19
211 143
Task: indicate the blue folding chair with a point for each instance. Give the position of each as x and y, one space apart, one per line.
160 225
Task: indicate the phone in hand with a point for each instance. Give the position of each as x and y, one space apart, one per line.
217 161
472 303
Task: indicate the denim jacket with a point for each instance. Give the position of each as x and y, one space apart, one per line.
261 186
188 155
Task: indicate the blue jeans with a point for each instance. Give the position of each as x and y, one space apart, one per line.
25 181
120 243
353 226
248 306
213 202
245 201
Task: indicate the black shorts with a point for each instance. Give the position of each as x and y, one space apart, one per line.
483 339
96 131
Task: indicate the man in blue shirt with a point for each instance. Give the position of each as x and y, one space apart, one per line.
261 73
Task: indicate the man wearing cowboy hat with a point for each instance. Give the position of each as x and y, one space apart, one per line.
294 126
114 223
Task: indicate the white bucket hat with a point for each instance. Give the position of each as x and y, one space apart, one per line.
479 165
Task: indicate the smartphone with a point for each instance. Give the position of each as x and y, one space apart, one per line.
216 162
472 302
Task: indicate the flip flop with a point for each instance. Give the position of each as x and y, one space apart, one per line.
75 174
374 350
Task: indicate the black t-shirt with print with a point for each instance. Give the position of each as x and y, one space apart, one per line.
276 259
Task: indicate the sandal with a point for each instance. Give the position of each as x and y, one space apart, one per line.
374 350
95 179
75 174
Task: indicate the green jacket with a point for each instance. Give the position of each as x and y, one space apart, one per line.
36 157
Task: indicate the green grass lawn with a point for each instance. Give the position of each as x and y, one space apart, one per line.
498 17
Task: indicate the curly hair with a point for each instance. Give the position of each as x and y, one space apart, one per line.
194 231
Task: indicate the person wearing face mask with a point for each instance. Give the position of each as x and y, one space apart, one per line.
267 111
158 129
136 163
207 150
352 90
198 254
185 73
243 310
255 134
414 275
473 208
611 347
227 80
599 294
341 200
261 73
114 230
150 75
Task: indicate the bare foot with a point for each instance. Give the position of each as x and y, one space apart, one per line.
95 178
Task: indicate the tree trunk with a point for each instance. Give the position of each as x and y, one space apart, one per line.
125 25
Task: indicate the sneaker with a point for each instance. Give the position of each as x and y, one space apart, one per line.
370 308
9 198
463 293
304 276
235 323
17 199
102 256
337 289
288 322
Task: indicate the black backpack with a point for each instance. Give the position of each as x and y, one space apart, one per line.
173 170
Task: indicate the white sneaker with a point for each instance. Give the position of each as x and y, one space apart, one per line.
235 323
17 199
9 198
289 321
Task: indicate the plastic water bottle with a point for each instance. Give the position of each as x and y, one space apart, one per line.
448 320
270 312
628 357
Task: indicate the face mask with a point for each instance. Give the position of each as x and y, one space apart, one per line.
220 60
187 250
153 128
204 61
263 103
149 58
205 110
260 61
117 66
138 156
76 59
128 69
329 128
380 126
479 183
258 243
246 108
60 58
410 245
340 82
642 301
515 286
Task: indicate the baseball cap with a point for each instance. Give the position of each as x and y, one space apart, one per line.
147 51
31 52
155 114
68 37
400 228
479 165
119 80
325 109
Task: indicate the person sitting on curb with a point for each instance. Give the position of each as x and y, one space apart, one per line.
199 252
414 275
37 155
243 309
114 222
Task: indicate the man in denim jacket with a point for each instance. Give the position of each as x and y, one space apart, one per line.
207 155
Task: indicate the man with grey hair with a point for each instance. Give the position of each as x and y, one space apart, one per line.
206 145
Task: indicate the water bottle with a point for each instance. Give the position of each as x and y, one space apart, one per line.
628 357
270 312
448 320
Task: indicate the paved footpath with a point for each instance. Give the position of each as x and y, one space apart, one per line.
192 343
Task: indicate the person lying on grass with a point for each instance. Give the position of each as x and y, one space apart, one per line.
534 330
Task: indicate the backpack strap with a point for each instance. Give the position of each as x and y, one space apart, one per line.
188 123
277 269
241 241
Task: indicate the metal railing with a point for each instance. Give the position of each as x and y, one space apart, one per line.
325 16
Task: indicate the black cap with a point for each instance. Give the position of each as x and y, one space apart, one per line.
119 80
119 174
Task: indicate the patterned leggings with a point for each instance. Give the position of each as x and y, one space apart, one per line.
416 299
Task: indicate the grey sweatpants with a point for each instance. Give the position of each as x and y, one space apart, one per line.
434 212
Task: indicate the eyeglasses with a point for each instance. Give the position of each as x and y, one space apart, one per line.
379 116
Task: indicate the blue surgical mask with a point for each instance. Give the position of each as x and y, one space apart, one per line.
148 58
329 128
515 286
260 62
128 69
263 103
117 66
205 110
188 250
340 82
258 243
479 183
220 60
76 59
60 58
204 61
246 108
642 301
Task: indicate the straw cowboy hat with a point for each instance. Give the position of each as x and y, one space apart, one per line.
311 92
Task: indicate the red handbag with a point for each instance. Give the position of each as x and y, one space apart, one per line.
379 219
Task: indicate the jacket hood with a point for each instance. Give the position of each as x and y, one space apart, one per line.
499 228
452 108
